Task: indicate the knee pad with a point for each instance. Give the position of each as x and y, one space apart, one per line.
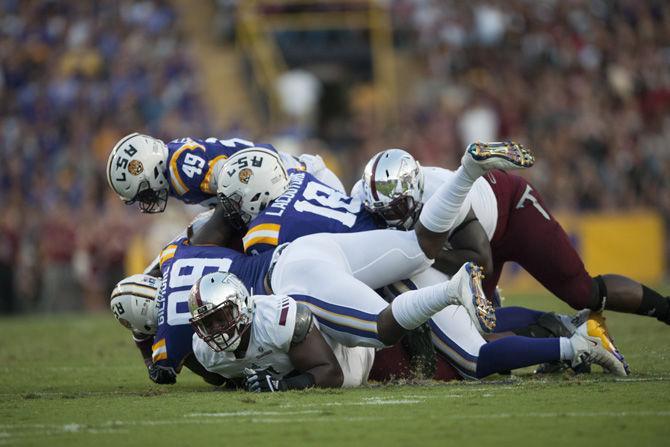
599 295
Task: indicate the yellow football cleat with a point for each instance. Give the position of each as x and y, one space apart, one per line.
596 327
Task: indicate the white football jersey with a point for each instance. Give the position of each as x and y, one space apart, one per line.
481 197
272 329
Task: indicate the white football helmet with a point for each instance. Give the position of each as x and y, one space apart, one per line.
221 310
136 172
393 184
248 182
133 303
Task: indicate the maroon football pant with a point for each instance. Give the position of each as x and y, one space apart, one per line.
393 363
530 236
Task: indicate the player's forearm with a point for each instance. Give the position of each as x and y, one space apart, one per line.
212 378
145 349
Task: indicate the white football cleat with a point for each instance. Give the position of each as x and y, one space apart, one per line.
470 294
589 348
506 155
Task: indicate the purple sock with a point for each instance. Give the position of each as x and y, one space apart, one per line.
510 318
514 352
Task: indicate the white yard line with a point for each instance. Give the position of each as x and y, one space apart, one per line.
17 432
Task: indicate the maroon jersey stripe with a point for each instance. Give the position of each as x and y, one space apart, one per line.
373 184
283 315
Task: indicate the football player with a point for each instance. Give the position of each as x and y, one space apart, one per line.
133 303
509 212
145 170
270 340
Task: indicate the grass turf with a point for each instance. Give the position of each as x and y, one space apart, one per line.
78 381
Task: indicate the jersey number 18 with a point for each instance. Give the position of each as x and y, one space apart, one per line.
330 204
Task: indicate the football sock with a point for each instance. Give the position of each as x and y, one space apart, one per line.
567 352
414 307
514 352
441 209
654 305
511 318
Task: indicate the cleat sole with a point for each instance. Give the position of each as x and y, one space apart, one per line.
513 152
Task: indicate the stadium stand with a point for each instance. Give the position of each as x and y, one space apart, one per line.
586 84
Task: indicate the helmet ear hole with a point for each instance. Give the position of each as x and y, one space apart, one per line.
270 180
393 187
133 303
137 162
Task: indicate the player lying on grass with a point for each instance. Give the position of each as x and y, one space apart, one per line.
133 304
270 341
507 211
267 339
145 170
267 334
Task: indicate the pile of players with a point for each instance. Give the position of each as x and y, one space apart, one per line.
288 283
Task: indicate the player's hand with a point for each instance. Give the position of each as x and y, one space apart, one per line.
162 375
261 380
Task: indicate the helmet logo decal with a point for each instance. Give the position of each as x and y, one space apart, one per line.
245 174
135 167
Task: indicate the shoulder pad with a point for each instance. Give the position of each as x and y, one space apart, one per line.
303 323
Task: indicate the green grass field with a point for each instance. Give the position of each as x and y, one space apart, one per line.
78 381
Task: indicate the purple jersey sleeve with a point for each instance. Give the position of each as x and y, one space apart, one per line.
192 162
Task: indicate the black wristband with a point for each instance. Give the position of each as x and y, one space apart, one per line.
299 382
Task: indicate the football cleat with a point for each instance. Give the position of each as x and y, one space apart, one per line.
597 328
590 349
471 296
481 157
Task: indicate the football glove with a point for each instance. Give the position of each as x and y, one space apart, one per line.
162 375
262 381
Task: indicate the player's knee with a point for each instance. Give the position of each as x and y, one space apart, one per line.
580 291
486 263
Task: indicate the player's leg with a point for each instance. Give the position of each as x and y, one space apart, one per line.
549 256
622 294
440 211
455 336
382 257
315 270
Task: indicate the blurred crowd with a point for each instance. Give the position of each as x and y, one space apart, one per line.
74 78
585 83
